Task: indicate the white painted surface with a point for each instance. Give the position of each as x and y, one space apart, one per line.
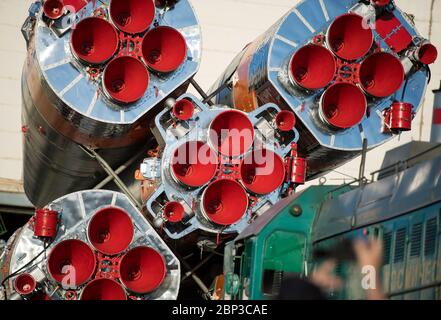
227 25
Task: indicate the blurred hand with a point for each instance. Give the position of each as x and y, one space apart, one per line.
369 253
323 276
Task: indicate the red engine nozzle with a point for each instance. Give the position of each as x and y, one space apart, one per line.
312 67
103 289
71 262
53 9
224 202
231 133
349 37
126 79
183 109
427 53
164 49
174 211
25 284
142 270
380 3
94 40
285 120
110 230
194 163
262 171
381 74
343 106
132 16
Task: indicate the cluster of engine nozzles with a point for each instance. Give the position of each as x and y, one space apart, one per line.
378 74
73 263
124 45
227 164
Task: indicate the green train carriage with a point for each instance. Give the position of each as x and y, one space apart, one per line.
403 208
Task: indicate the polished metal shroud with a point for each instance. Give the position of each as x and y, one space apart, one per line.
63 108
171 136
76 211
267 60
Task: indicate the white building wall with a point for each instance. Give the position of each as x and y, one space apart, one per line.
227 26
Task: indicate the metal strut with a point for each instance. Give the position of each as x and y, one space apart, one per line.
103 163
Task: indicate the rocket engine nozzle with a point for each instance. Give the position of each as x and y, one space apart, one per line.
94 40
110 230
231 133
427 53
73 260
183 109
164 49
262 171
285 120
380 3
103 289
174 211
132 16
381 74
312 67
194 163
25 284
349 37
126 79
224 202
142 270
342 106
53 9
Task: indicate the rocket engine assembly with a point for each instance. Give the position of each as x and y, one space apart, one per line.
350 70
95 74
89 245
219 168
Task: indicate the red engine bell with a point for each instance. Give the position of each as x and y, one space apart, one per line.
53 9
399 116
174 211
25 284
380 3
45 223
183 109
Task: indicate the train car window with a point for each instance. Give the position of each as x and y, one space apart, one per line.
416 240
430 237
387 242
400 243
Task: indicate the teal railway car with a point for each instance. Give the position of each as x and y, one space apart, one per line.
402 207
